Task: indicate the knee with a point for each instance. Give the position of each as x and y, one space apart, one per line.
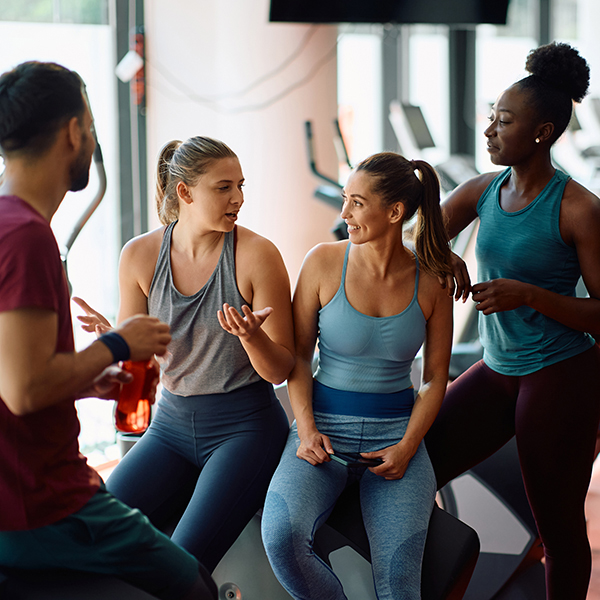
281 529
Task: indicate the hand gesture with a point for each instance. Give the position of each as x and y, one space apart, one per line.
498 295
315 448
93 321
246 326
395 461
459 283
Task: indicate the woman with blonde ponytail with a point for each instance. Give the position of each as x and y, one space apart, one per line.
371 303
219 430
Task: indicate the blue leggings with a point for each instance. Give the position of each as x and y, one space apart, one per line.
212 457
396 513
554 414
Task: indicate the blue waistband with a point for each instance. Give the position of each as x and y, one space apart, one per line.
359 404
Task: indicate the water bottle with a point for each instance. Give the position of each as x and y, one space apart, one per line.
132 412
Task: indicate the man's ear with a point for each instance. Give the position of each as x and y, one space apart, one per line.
74 135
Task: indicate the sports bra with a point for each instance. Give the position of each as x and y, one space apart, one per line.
361 353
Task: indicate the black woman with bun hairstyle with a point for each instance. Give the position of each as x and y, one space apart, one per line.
540 373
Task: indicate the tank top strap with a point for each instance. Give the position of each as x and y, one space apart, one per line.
162 270
416 294
345 265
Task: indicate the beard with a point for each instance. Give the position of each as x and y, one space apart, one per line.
80 170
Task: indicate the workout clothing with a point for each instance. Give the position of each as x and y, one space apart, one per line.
201 358
124 544
54 512
43 476
395 513
301 496
219 430
526 245
553 410
554 413
361 353
210 457
362 404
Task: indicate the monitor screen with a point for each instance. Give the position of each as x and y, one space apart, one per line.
418 126
450 12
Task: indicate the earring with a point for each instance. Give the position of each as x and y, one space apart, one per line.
537 140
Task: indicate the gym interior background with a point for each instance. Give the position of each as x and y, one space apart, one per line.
221 68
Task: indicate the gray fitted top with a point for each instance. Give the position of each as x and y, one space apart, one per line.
202 357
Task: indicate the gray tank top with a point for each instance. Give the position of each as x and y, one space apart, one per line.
202 358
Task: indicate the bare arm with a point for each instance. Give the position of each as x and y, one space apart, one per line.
266 332
33 376
136 268
314 447
459 210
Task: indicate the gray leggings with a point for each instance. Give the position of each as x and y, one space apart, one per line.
396 513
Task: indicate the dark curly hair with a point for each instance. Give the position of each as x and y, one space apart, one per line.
559 76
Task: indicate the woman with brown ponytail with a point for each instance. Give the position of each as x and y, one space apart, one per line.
370 302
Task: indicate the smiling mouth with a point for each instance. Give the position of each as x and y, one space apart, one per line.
352 228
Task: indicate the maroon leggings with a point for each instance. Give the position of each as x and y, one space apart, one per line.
554 414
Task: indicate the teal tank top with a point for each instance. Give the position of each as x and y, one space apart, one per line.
360 353
527 246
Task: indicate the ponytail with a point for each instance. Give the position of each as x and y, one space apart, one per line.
167 204
414 183
430 236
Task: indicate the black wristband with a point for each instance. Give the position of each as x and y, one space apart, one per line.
116 344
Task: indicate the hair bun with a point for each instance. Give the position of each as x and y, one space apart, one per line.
560 66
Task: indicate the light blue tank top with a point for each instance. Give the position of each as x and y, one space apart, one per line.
202 357
360 353
527 246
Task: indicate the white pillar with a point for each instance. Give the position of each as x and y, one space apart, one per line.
210 49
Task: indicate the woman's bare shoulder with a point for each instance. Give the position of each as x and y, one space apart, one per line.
139 255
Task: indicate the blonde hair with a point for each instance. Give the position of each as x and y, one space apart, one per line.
186 162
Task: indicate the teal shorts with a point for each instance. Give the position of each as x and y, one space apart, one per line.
108 537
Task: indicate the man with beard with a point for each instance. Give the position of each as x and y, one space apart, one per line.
55 510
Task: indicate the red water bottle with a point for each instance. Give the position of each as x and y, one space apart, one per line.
132 412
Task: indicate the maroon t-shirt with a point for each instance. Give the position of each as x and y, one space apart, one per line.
43 476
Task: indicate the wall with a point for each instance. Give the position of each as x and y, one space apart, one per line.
199 54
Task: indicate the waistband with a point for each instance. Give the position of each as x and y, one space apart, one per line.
254 396
360 404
